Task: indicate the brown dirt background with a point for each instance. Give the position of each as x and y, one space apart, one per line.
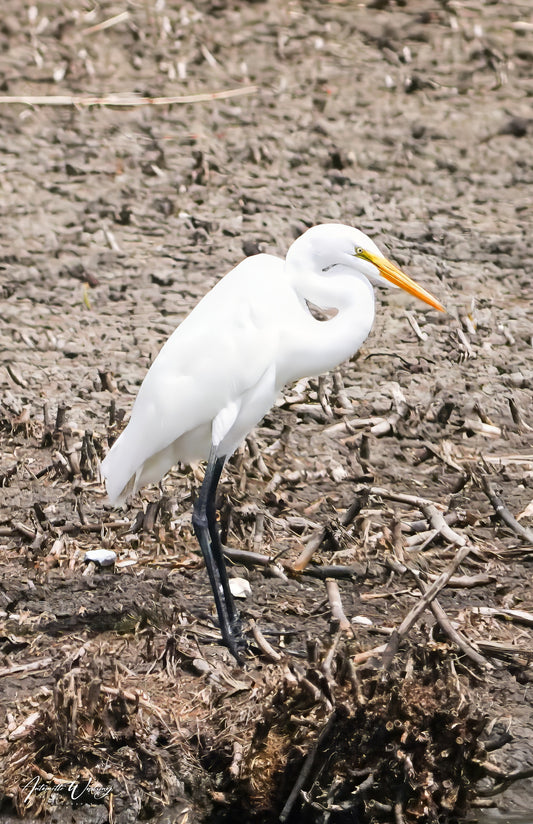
410 120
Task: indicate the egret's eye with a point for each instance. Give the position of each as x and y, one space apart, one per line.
359 252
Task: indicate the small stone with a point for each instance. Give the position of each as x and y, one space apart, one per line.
102 557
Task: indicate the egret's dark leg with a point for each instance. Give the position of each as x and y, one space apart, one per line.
216 544
206 529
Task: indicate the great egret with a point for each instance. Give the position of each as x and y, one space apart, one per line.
223 367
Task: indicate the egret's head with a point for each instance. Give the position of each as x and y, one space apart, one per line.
332 244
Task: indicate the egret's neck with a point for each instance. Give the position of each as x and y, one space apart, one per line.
319 346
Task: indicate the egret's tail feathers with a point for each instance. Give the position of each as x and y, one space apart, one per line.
125 493
123 477
118 485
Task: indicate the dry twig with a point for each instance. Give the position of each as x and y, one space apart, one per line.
504 513
429 595
24 668
403 498
335 602
122 100
266 648
107 24
317 537
306 768
454 635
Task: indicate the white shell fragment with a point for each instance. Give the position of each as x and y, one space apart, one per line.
127 562
240 587
362 619
102 557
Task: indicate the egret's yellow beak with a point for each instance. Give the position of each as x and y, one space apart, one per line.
390 272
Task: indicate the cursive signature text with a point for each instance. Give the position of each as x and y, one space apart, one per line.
80 792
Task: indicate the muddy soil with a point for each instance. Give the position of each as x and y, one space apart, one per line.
411 120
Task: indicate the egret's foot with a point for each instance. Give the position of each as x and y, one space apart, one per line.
235 641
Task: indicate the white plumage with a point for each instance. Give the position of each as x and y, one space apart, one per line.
225 364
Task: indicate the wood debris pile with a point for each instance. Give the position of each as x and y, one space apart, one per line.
323 742
94 744
404 742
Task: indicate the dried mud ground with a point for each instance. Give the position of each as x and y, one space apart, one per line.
413 121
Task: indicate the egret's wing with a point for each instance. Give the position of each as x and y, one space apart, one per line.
216 355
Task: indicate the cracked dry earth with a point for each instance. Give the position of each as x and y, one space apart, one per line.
411 120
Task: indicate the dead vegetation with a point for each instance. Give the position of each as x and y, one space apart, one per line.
330 730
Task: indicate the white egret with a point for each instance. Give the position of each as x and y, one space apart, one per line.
223 367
